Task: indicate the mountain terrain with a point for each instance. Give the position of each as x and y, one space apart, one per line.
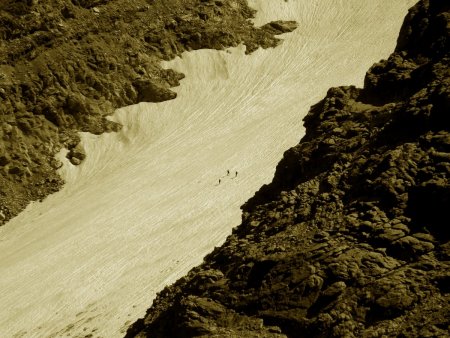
145 205
66 65
351 237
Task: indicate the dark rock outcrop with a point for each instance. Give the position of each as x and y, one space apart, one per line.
351 239
66 65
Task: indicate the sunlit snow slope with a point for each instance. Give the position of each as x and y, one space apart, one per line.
146 205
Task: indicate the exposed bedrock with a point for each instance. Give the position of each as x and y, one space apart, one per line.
66 65
351 239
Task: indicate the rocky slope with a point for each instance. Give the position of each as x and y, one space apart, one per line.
65 65
351 238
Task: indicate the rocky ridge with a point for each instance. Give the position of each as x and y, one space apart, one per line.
351 238
66 65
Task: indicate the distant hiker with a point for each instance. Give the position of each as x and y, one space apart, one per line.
220 180
228 172
236 174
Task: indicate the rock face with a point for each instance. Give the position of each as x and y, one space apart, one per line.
351 239
66 65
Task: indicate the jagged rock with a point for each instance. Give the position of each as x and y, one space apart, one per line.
75 160
279 27
76 154
391 235
410 247
395 301
150 92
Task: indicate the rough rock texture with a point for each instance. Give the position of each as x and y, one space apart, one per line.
351 239
65 65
